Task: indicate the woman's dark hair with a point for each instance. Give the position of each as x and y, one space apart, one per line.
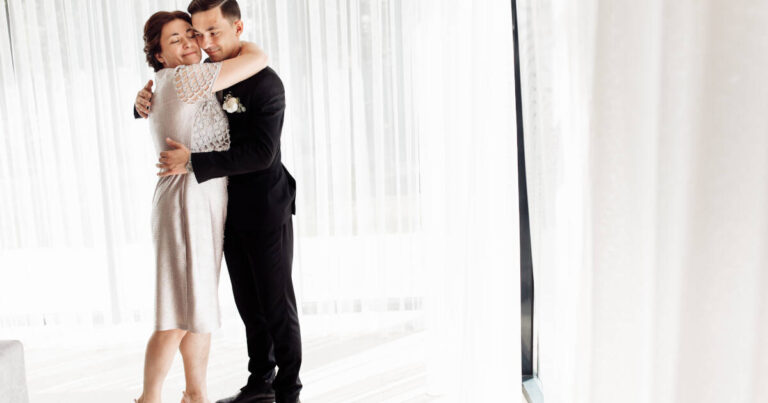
229 8
153 30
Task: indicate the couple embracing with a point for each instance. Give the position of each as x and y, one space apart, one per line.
222 190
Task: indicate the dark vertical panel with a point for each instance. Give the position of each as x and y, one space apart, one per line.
526 261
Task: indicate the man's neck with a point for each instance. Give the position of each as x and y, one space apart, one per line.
237 51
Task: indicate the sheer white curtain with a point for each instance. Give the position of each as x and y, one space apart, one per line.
75 174
465 103
399 130
647 150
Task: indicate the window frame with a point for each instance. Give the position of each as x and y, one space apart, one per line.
531 385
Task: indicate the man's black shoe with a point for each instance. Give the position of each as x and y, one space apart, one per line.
294 398
250 397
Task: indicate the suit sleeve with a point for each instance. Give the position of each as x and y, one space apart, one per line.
136 113
258 151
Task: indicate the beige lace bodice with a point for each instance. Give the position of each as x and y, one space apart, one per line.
186 109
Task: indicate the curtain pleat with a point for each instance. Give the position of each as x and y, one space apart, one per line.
646 162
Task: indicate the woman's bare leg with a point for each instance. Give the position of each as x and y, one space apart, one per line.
195 348
157 361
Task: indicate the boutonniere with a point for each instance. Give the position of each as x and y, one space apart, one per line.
232 104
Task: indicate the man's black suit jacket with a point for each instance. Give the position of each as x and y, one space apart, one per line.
262 192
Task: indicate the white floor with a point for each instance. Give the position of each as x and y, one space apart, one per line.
105 366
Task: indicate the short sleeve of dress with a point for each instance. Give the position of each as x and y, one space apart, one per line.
193 82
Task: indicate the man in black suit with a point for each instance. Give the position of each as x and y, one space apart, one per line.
258 235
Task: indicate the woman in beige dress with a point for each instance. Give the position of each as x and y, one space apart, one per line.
187 217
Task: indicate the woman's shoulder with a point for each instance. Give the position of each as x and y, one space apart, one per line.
164 74
187 69
198 67
164 71
194 82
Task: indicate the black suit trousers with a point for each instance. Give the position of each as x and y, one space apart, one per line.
259 264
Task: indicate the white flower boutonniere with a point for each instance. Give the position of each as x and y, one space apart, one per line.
232 104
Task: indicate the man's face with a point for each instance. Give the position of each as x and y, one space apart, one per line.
217 35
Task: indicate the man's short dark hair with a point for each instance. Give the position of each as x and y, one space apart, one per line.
229 8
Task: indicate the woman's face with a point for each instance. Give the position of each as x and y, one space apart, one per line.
178 45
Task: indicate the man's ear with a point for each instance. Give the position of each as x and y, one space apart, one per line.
238 27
